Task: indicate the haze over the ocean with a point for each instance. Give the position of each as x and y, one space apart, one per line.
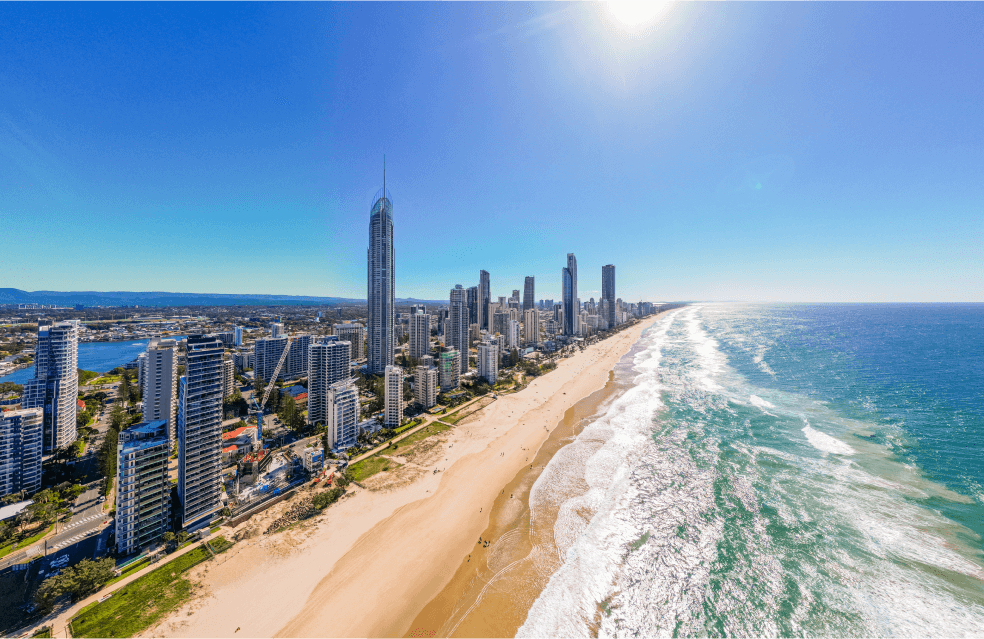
825 152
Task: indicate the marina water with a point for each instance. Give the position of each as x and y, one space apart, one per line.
778 470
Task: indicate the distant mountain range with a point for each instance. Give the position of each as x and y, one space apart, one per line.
157 298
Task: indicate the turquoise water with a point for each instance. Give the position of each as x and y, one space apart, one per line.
793 470
101 357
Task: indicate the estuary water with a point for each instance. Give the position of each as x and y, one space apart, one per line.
100 357
777 470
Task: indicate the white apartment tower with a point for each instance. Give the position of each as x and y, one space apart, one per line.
419 334
328 364
342 414
456 328
488 361
55 386
20 451
425 386
512 334
393 413
158 369
531 326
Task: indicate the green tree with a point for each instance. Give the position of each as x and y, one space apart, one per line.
78 580
123 392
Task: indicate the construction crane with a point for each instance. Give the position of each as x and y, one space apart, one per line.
257 408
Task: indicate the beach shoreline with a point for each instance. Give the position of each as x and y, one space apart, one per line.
375 560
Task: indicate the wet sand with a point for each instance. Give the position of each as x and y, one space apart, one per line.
494 587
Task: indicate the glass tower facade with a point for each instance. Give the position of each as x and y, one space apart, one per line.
382 304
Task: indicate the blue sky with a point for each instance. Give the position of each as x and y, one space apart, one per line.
749 151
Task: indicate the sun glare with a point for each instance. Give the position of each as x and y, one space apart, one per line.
633 13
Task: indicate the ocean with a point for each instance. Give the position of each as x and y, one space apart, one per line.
776 470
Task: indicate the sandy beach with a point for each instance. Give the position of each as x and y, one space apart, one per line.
374 561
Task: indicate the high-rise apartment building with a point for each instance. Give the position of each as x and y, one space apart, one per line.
328 364
572 314
143 491
457 327
355 334
449 370
484 301
237 336
158 382
55 386
20 450
228 377
608 293
200 432
419 334
425 386
382 283
531 327
276 330
488 361
512 334
528 293
393 411
342 405
500 320
267 352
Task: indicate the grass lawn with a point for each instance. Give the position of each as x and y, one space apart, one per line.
431 429
43 633
9 548
369 467
140 565
220 544
106 379
139 605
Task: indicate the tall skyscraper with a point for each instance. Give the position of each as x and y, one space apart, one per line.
484 301
143 492
393 410
200 431
158 370
528 293
276 330
20 451
572 313
328 363
237 336
268 350
608 292
419 335
382 283
55 386
457 327
473 305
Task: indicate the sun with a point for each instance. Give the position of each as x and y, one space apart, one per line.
633 13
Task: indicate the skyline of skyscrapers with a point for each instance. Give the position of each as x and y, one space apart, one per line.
381 284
